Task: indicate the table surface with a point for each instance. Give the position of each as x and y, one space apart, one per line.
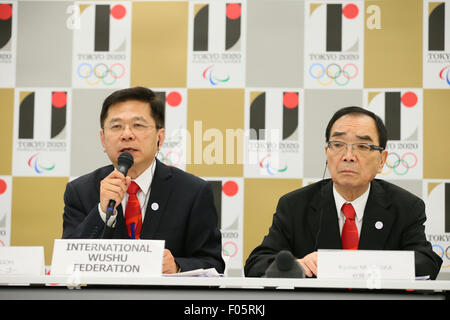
52 287
224 282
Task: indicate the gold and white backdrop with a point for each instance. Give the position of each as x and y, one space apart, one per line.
249 87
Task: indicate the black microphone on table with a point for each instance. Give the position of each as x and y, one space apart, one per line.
124 162
285 266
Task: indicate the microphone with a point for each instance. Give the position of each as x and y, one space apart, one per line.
324 170
285 266
124 162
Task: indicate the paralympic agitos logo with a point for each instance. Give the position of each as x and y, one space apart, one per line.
41 131
216 44
272 136
38 165
444 74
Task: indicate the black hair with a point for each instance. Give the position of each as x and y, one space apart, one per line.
139 94
381 128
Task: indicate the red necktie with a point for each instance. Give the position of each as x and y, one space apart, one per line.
133 215
349 231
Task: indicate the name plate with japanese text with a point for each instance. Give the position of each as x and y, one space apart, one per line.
22 261
366 264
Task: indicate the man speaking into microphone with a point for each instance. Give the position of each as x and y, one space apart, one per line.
152 200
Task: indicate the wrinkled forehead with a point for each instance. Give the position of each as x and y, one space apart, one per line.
355 127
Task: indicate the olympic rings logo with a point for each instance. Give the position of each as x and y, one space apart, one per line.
400 165
442 253
171 158
93 75
333 73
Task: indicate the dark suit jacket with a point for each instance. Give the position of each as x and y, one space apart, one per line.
186 218
306 220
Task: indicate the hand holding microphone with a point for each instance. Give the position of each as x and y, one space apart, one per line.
115 185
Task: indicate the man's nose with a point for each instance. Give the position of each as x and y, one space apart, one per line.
349 154
127 133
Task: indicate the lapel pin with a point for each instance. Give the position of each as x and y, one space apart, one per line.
379 225
155 206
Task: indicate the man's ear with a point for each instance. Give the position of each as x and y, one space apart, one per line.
383 158
161 137
102 139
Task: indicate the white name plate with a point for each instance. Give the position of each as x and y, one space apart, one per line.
22 261
365 265
107 258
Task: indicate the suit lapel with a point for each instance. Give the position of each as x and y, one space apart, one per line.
377 220
159 194
323 219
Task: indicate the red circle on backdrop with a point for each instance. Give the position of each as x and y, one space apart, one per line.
290 100
350 11
409 99
233 11
173 99
3 186
5 11
118 11
230 188
59 99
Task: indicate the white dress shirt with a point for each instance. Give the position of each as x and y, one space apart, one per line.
359 204
144 182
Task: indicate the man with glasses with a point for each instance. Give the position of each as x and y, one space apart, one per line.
352 210
153 201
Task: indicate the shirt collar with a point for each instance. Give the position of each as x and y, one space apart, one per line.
144 180
359 204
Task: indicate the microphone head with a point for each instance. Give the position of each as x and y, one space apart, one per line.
284 266
124 162
284 260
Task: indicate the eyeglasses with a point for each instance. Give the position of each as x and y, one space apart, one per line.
136 127
359 147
